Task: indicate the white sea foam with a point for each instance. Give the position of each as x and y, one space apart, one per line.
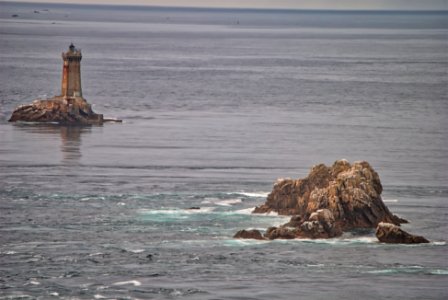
334 241
383 272
98 296
362 239
315 265
257 228
244 242
249 210
176 211
253 194
137 251
133 282
34 282
229 202
408 269
96 254
176 293
272 214
245 211
221 202
209 200
439 243
438 272
390 200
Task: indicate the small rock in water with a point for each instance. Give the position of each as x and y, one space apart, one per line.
390 233
282 232
249 234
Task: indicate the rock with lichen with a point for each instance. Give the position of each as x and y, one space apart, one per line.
351 192
331 200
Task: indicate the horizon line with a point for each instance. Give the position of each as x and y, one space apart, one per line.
187 7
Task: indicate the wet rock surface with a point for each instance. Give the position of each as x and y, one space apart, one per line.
249 234
390 233
282 232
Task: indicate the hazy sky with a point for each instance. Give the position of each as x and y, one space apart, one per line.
297 4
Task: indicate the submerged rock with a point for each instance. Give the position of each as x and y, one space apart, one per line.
249 234
390 233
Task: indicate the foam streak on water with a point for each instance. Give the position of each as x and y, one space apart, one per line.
217 105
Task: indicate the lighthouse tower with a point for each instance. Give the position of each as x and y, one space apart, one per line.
71 73
68 108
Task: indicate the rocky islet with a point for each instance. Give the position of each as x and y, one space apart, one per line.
68 108
330 201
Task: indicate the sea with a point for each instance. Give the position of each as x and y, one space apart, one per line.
217 104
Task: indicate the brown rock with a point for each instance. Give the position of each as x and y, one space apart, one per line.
294 222
282 232
320 224
75 111
249 234
352 193
390 233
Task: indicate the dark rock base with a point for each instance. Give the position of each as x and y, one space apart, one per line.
64 111
249 234
390 233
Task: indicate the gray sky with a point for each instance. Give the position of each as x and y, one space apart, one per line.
296 4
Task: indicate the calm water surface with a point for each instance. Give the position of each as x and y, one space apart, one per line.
216 106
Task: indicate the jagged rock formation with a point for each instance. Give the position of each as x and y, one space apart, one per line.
390 233
352 193
328 201
59 110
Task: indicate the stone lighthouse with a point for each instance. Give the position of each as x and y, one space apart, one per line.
69 107
71 73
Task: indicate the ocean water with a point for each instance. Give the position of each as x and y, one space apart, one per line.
218 104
